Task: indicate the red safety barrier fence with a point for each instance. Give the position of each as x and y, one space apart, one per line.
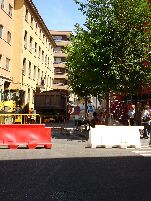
30 135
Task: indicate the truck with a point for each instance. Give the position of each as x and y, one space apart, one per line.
52 105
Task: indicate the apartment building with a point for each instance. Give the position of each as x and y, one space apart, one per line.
32 51
62 39
6 34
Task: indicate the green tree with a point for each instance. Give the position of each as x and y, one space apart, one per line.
114 47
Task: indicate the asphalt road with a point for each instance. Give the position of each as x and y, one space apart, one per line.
72 172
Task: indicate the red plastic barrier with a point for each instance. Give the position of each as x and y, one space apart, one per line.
31 135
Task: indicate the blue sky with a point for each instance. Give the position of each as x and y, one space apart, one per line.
59 14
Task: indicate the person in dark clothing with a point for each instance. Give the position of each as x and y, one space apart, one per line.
146 121
94 120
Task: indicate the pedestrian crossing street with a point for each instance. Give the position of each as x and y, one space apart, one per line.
145 151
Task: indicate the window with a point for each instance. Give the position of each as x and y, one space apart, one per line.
24 65
57 60
40 34
3 4
42 75
36 28
1 31
38 74
46 42
7 64
35 47
42 56
33 96
0 60
46 59
57 38
49 46
28 95
8 37
10 12
25 39
29 70
32 22
34 76
43 38
26 15
48 80
31 44
57 49
39 52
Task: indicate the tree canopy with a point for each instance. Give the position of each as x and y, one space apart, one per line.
111 53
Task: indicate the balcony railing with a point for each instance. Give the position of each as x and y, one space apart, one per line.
60 54
59 65
60 86
61 76
62 43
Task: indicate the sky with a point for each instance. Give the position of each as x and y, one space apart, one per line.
59 14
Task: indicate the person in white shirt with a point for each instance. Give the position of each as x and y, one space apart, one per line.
131 115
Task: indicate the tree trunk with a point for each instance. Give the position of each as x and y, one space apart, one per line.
86 112
107 108
86 105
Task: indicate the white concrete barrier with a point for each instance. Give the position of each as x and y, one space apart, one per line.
110 136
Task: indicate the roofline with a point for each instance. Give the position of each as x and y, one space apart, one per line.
60 31
40 20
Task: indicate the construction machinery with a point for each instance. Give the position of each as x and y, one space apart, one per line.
11 102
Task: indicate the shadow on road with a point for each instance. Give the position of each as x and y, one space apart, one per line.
70 134
76 179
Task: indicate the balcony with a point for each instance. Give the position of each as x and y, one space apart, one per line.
61 76
59 65
59 54
57 86
62 42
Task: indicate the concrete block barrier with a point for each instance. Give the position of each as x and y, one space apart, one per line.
114 136
30 135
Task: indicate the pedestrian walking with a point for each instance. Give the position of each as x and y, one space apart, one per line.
131 115
94 120
146 121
